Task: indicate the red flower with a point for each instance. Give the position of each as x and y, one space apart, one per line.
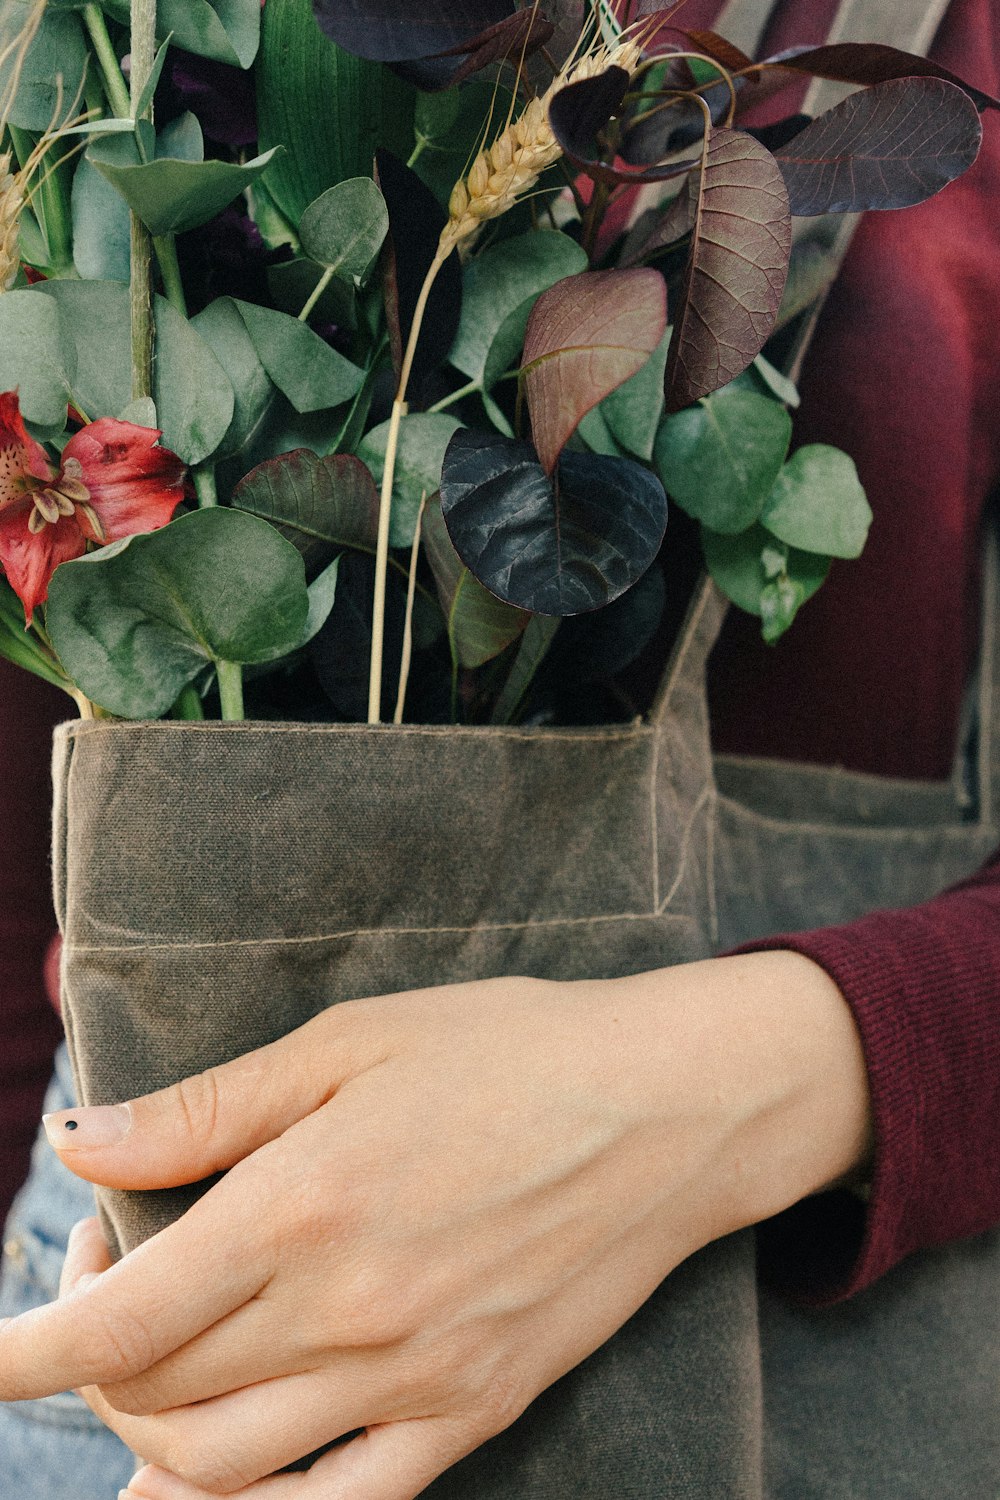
112 482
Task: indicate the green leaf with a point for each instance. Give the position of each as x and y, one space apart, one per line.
100 226
322 598
597 434
145 99
292 282
633 411
480 625
446 149
172 194
141 411
58 50
719 458
818 503
311 374
345 228
193 395
538 636
328 109
36 357
762 576
134 622
228 30
423 438
224 331
505 280
331 500
777 383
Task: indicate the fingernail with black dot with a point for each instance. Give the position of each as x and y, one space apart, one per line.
82 1129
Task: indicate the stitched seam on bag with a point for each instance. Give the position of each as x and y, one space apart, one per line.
704 796
395 731
951 833
359 932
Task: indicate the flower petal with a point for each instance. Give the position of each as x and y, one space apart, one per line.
21 458
134 484
29 559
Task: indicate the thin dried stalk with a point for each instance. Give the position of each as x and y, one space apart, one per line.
13 180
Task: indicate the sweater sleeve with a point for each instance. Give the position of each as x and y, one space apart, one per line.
924 988
29 1027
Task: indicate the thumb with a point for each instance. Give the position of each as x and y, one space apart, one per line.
207 1122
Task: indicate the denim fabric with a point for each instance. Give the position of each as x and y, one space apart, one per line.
54 1449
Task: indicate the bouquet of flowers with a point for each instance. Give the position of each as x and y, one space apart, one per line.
345 354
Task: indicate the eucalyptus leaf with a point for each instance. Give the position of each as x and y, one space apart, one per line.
58 51
222 328
292 282
172 194
141 411
818 503
311 374
193 396
136 621
101 232
322 597
36 358
345 227
720 458
423 440
762 576
504 280
633 411
227 30
555 546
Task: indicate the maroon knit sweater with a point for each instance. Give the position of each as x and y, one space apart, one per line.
903 374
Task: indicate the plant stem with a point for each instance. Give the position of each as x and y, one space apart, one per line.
450 400
143 50
57 218
189 705
316 293
173 288
114 83
204 485
411 590
385 504
230 675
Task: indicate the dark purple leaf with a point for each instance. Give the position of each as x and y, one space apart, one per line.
556 546
586 336
736 270
415 223
657 230
886 147
581 110
517 37
409 31
870 63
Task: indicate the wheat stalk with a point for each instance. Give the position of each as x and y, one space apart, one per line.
14 179
510 167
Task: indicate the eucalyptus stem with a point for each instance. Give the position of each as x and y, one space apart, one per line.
143 52
204 486
455 396
230 675
388 478
316 293
173 288
114 83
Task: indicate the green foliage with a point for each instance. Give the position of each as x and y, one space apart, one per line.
193 395
345 228
58 51
818 503
480 625
763 576
37 358
227 30
311 374
423 440
720 458
135 622
328 109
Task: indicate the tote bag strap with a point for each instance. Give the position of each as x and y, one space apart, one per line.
911 26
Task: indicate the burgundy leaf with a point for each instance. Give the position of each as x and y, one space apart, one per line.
659 229
518 36
886 147
586 336
408 31
736 270
581 110
870 63
710 44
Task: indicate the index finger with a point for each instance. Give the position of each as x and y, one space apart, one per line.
155 1299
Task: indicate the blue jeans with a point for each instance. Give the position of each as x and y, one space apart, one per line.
54 1449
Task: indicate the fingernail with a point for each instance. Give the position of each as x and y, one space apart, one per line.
79 1129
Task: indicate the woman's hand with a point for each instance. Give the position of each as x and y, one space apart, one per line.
439 1203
